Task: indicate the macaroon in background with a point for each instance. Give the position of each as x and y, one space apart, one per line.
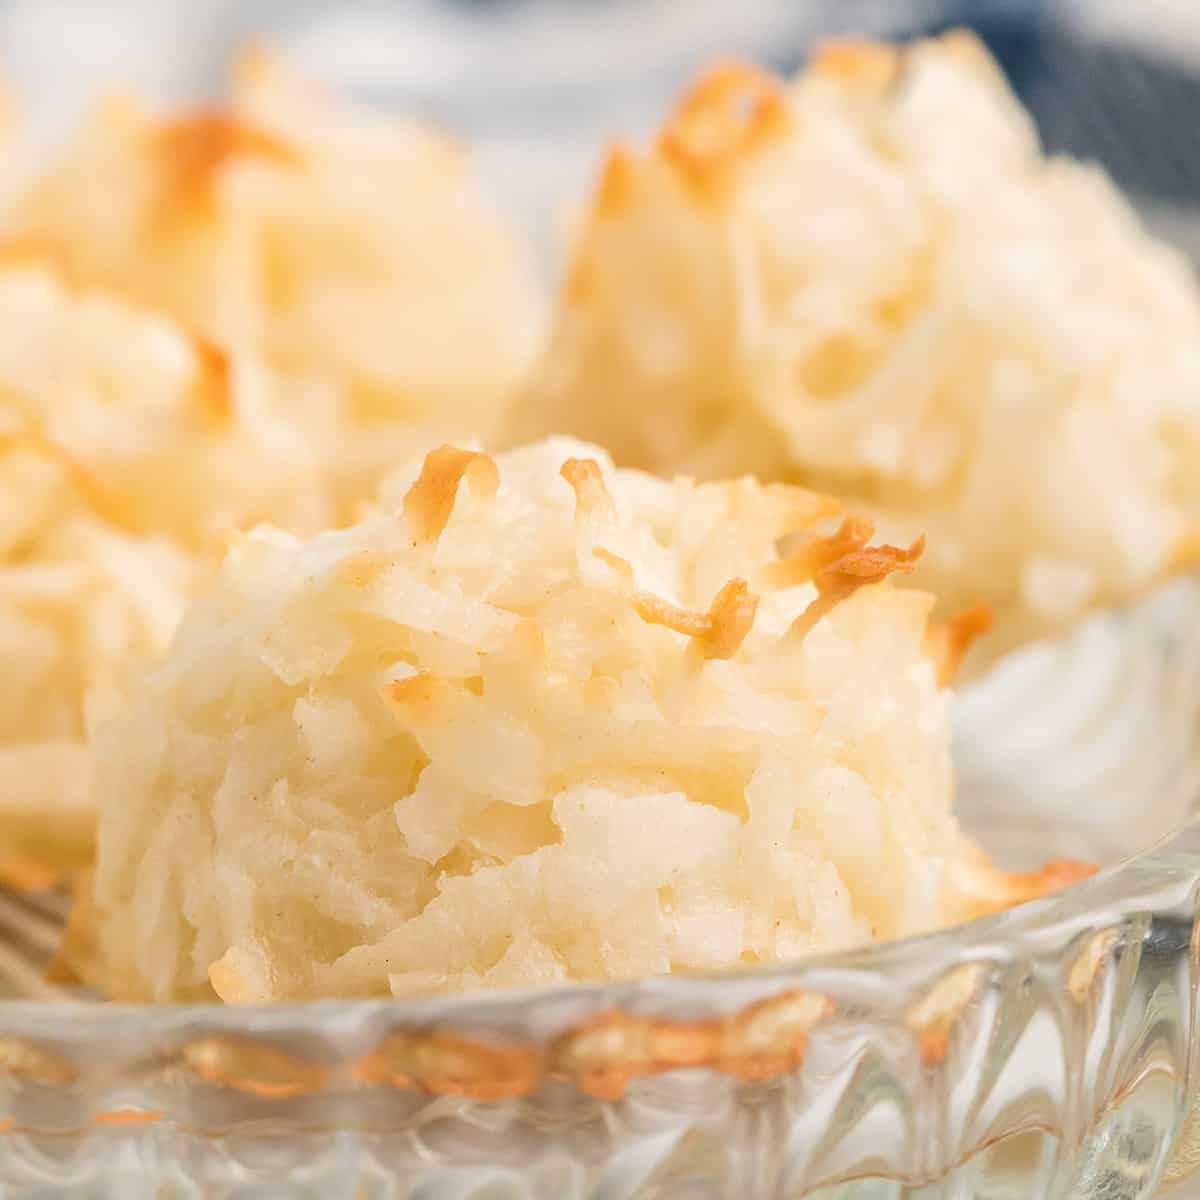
538 85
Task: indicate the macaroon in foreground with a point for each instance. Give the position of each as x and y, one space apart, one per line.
535 720
872 281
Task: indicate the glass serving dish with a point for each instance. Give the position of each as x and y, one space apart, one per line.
1048 1051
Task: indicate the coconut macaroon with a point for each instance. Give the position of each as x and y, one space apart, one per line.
352 253
80 596
536 720
872 280
186 439
130 450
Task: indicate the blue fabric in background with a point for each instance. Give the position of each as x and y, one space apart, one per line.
1136 112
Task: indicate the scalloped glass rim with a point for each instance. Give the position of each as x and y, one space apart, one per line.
1163 880
217 1092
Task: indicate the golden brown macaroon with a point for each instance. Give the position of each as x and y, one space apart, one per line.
537 719
349 252
871 280
189 442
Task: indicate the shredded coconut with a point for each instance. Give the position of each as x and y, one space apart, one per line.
352 254
871 280
536 719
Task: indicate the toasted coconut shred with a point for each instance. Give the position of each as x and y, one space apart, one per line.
871 279
537 719
351 254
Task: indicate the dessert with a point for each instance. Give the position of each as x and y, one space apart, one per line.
536 719
872 281
130 450
212 320
187 440
81 596
348 252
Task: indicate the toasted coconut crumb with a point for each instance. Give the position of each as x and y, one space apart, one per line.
730 100
27 1060
873 65
623 567
430 500
948 641
656 611
613 192
720 631
728 115
817 553
980 888
611 1049
446 1064
587 481
859 568
191 152
730 618
249 1066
